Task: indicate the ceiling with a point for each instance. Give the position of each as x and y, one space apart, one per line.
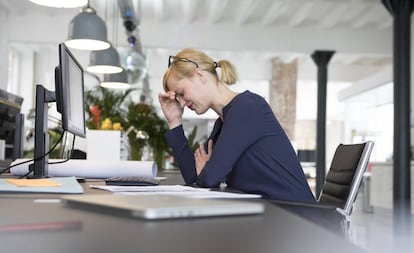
327 14
360 31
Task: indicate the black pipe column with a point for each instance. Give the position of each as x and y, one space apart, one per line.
321 59
401 11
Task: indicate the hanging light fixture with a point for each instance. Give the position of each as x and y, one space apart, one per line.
134 62
87 31
61 3
116 81
104 61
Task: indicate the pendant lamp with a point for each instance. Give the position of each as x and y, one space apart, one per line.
116 81
61 3
133 60
104 61
87 31
134 63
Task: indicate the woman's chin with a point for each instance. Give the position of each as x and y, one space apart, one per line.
199 112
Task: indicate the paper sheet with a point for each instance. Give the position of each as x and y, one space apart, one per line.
66 185
176 190
93 168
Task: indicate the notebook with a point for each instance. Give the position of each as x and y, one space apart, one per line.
154 207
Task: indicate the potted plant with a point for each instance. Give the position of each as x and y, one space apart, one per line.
143 117
110 110
103 104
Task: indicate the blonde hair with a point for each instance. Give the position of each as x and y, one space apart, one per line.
184 69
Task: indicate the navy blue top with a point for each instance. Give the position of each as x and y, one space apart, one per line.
251 153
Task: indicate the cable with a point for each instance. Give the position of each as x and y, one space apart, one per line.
67 159
70 153
34 159
25 175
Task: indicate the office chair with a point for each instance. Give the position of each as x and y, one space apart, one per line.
339 191
345 176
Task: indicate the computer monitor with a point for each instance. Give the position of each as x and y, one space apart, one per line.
69 86
69 97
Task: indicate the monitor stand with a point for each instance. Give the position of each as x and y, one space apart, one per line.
39 167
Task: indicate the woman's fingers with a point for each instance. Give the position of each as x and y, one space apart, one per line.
167 96
210 146
201 152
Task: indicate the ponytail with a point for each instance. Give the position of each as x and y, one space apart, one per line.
228 72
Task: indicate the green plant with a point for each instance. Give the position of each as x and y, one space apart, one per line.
144 118
54 136
102 103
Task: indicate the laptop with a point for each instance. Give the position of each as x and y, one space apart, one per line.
154 207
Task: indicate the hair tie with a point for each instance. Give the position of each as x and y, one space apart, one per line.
216 65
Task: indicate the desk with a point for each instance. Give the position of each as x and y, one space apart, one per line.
277 230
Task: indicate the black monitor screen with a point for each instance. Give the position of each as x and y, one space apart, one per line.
70 92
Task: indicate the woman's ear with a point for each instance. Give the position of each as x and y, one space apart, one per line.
200 74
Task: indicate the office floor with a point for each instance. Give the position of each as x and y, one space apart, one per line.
374 230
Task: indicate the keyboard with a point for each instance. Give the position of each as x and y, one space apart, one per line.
131 181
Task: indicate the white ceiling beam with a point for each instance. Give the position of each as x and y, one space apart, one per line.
334 17
190 10
302 39
302 14
273 12
366 17
383 19
216 11
245 11
254 37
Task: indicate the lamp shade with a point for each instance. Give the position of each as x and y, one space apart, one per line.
87 31
116 81
104 61
61 3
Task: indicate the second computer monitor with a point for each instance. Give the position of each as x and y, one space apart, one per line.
69 86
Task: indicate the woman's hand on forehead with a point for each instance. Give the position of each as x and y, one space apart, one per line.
169 95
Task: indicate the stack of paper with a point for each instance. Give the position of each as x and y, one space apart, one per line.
176 190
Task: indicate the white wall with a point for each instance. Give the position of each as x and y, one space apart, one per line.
4 32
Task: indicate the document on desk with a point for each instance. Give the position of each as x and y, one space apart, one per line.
49 185
175 190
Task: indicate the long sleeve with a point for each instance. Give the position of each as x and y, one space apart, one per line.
244 124
183 155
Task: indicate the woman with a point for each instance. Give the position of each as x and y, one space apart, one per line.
247 149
